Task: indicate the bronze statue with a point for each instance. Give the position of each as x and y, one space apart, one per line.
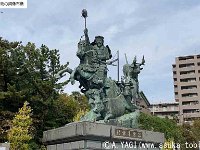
110 101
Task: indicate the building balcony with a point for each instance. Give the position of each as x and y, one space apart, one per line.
164 116
184 107
188 61
191 75
189 91
189 83
187 99
165 110
191 115
187 68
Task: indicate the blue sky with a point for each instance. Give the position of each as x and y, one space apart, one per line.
158 29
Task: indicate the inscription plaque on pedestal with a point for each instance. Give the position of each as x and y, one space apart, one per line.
128 133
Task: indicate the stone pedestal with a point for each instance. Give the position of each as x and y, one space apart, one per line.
97 136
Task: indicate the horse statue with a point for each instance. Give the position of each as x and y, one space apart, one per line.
111 102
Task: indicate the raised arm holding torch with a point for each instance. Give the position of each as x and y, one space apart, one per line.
84 15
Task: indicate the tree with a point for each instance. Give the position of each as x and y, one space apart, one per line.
19 135
191 132
166 126
62 111
5 114
82 107
80 114
28 74
82 101
196 130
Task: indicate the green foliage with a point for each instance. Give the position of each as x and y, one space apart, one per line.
166 126
82 107
196 130
80 114
62 111
19 135
191 132
69 107
28 73
178 134
5 115
187 133
82 100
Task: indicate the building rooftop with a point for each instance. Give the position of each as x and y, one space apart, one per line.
169 103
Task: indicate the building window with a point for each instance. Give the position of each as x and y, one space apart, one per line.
176 93
186 58
188 80
189 95
187 72
174 66
188 87
186 65
175 86
174 72
198 63
189 110
198 56
185 103
190 103
175 79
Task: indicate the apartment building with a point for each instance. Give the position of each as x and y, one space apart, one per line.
163 110
186 75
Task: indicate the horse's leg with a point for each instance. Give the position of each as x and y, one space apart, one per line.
108 116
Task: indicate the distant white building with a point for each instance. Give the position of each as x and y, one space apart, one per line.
163 110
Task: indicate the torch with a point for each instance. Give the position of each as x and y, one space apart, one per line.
84 15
